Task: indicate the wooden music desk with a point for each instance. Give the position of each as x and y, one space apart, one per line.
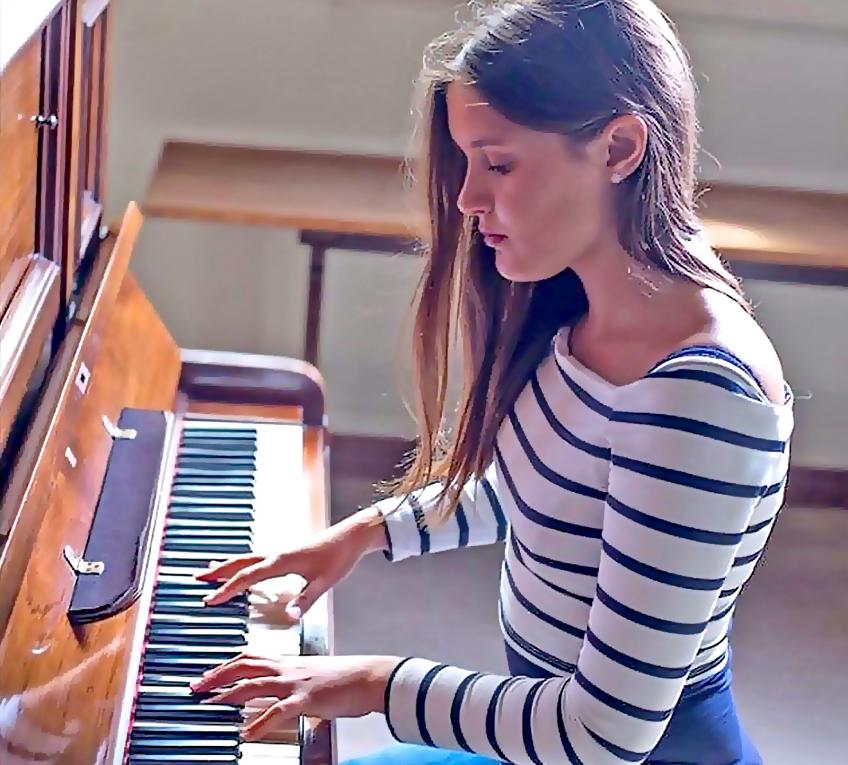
356 202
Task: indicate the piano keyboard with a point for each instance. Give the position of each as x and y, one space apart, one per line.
237 488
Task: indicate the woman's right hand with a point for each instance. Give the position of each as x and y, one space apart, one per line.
323 562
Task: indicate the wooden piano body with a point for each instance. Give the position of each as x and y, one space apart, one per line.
80 343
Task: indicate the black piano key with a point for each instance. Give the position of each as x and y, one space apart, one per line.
187 525
189 636
184 746
221 514
212 492
196 463
223 533
180 759
189 608
194 430
214 547
212 502
185 712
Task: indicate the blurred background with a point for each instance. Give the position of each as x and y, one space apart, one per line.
337 75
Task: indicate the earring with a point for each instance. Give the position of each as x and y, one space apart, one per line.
616 178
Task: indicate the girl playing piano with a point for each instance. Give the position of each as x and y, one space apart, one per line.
623 427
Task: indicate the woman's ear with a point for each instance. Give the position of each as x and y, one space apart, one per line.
624 141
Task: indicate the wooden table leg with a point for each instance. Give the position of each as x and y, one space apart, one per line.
313 305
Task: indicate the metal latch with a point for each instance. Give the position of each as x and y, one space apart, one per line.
80 566
119 434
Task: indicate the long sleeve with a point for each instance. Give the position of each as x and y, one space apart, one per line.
691 461
411 528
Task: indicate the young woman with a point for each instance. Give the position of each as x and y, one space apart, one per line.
624 424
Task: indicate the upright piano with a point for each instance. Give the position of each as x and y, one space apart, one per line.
128 463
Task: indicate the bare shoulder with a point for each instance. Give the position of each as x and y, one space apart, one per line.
735 330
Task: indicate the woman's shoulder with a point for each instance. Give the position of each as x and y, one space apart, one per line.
734 341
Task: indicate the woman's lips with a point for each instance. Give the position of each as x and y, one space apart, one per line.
493 240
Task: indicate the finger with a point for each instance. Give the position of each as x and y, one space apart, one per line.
234 670
219 570
299 605
246 690
239 583
283 711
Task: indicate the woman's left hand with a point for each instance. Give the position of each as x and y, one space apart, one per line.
326 687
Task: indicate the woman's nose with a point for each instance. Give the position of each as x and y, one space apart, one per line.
473 199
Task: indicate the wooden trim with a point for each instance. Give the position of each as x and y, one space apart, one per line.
376 458
242 378
25 329
92 10
60 403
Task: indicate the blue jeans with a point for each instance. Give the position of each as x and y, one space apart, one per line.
704 730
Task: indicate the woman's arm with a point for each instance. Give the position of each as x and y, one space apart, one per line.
411 528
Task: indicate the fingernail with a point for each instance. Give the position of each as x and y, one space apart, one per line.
294 612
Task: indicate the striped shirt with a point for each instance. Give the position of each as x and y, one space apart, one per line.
633 515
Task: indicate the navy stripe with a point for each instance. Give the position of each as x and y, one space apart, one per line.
421 703
754 528
698 671
559 565
420 523
652 622
622 754
697 427
496 508
774 488
491 716
631 710
658 575
573 759
697 352
462 522
563 666
721 614
725 593
534 515
527 724
388 553
674 529
564 433
746 559
456 708
711 378
712 646
388 693
537 612
542 469
585 397
654 670
562 591
690 479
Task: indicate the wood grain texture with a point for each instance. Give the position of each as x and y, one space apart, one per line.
26 499
66 682
20 86
307 190
25 329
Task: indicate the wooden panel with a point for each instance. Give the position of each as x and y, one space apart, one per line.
25 501
309 190
65 683
72 132
777 226
24 330
20 87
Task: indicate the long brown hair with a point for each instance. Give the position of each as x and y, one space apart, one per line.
559 66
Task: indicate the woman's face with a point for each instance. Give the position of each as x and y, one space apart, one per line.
541 204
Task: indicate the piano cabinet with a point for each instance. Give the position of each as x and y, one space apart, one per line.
67 692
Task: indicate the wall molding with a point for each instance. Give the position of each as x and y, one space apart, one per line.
375 458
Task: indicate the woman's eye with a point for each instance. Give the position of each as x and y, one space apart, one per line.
500 169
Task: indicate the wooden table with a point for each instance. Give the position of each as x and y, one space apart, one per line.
355 202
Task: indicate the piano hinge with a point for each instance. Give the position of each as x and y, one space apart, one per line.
80 566
119 434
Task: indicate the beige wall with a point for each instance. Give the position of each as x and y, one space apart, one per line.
337 74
